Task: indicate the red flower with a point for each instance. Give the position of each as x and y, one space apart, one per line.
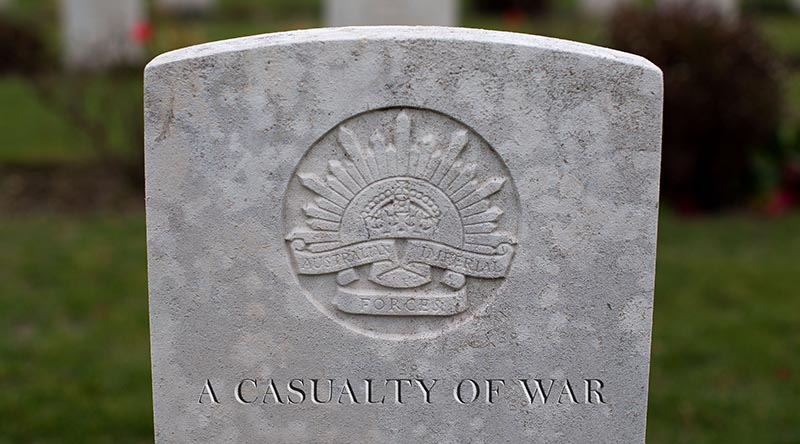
513 18
779 203
141 32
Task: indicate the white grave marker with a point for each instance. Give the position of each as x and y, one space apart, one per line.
401 235
391 12
727 9
102 33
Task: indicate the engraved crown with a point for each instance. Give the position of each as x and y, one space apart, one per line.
403 211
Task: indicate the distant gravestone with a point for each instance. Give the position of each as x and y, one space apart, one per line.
101 33
727 9
795 4
185 7
401 235
391 12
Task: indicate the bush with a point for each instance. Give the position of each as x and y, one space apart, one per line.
767 6
493 7
722 104
22 51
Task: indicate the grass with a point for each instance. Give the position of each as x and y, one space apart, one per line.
74 331
74 364
783 33
32 132
725 361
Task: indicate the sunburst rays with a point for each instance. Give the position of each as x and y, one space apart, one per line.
378 159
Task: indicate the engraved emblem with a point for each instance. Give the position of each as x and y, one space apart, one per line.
404 208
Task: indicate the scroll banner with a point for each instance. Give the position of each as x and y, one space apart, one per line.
417 251
464 262
399 304
334 261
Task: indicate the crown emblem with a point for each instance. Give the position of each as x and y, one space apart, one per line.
401 212
401 207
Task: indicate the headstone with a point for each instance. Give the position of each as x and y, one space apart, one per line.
401 235
102 33
185 7
795 4
390 12
727 9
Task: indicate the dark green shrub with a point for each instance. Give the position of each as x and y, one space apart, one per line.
766 6
495 7
22 50
722 100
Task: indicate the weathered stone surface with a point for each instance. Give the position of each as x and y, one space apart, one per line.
447 223
391 12
100 33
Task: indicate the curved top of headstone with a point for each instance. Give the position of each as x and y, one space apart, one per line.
399 33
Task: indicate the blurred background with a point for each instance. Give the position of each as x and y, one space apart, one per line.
74 354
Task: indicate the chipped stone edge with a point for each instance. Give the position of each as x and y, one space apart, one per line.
399 33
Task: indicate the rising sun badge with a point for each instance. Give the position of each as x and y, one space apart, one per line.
402 217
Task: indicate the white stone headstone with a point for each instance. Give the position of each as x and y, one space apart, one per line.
795 4
401 235
727 9
101 33
390 12
183 7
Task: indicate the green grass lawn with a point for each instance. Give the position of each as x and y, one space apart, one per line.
32 132
783 33
35 131
726 346
74 364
